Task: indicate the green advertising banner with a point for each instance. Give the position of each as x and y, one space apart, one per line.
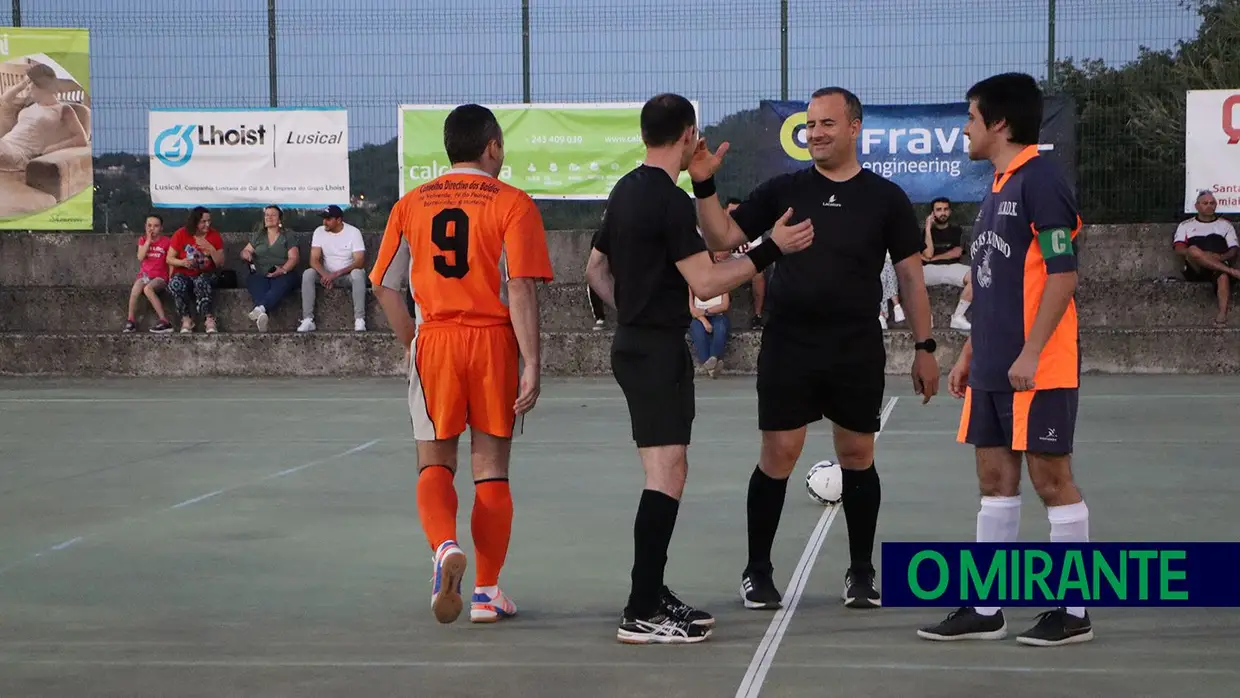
551 151
46 169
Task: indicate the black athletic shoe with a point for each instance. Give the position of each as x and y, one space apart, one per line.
659 629
966 624
1058 627
859 589
682 611
758 591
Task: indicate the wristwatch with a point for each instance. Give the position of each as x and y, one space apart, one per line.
927 346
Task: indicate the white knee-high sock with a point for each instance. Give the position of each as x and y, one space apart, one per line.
998 521
1070 524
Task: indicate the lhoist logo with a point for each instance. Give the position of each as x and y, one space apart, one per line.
175 146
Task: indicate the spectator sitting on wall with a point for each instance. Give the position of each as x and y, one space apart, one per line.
153 276
757 285
272 258
337 256
1209 248
195 258
710 327
941 258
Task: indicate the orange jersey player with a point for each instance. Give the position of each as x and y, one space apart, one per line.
473 247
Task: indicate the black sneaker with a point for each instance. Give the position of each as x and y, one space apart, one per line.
756 322
966 624
162 327
130 326
682 611
758 591
859 589
1058 627
659 629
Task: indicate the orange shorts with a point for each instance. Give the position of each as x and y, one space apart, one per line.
463 375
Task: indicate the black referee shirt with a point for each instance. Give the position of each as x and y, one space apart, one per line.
650 224
856 223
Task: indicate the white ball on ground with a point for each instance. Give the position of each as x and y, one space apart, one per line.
825 483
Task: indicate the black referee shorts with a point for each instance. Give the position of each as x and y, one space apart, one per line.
655 371
836 372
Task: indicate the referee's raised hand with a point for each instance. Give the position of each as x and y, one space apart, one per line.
792 238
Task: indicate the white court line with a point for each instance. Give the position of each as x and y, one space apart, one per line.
545 398
751 684
200 498
1124 670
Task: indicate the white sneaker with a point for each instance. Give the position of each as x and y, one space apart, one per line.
263 321
959 322
897 314
882 322
258 310
307 325
359 325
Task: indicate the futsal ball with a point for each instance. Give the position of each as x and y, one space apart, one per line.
825 483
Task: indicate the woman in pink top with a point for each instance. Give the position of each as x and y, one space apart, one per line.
153 277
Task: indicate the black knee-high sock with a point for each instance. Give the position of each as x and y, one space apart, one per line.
862 495
652 533
765 506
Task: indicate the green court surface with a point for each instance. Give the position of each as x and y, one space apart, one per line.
260 538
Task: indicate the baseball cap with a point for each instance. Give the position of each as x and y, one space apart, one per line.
332 211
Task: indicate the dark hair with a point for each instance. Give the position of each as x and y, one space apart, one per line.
195 216
664 119
156 216
467 132
850 100
732 200
941 200
41 75
1014 98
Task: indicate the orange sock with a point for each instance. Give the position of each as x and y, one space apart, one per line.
492 527
437 505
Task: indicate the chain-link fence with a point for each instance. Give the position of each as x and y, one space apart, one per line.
1126 63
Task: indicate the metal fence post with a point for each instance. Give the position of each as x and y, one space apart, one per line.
525 51
783 49
1050 43
271 52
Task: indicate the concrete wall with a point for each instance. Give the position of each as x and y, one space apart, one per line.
1108 252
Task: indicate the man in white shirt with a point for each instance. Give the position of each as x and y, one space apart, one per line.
337 258
1209 247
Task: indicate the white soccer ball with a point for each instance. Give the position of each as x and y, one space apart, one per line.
825 483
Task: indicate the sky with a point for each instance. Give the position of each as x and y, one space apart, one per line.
372 55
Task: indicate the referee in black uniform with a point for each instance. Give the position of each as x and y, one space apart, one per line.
646 257
822 351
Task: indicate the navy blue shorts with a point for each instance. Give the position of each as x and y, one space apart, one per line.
1035 421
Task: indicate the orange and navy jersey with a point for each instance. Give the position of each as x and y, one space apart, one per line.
1026 230
465 233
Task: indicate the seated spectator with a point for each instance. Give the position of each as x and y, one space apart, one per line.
195 256
1209 248
597 308
337 257
757 285
710 327
941 259
272 257
153 276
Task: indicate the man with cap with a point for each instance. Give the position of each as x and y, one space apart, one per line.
337 258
